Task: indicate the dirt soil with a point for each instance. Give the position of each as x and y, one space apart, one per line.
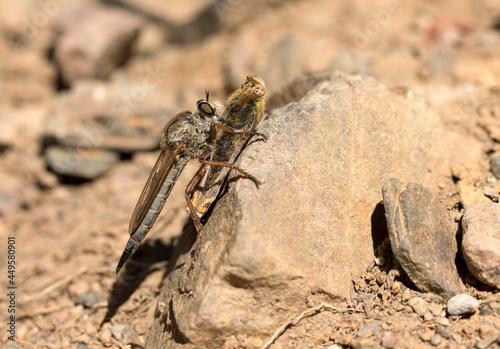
69 234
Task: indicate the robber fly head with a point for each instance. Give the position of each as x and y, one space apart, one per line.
256 84
205 107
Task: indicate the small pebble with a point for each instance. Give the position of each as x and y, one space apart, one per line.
380 261
462 304
444 331
104 335
395 287
436 309
491 308
490 193
46 180
457 338
368 330
436 340
89 299
77 288
418 305
389 340
428 316
406 295
442 321
122 332
487 330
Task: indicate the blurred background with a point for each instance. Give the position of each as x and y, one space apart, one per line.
85 87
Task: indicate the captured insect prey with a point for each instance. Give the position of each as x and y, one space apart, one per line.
244 111
216 141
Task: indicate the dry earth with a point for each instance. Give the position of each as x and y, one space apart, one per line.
69 233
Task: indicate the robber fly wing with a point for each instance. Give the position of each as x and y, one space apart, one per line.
164 164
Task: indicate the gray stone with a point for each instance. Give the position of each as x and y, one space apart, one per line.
89 299
444 331
495 167
98 115
422 236
481 241
80 163
490 193
436 340
462 304
308 230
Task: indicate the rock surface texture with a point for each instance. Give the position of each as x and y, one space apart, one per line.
481 241
308 231
422 236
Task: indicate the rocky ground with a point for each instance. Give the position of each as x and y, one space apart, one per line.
328 253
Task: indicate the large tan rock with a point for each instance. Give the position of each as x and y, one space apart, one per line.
308 231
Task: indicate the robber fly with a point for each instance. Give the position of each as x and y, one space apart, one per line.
244 111
187 136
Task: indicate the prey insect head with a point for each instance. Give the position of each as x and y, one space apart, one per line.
256 84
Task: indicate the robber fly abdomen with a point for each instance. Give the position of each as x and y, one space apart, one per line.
138 228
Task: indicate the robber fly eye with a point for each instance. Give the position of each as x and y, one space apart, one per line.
205 107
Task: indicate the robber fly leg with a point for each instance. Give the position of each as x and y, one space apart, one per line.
189 192
232 130
192 212
233 167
